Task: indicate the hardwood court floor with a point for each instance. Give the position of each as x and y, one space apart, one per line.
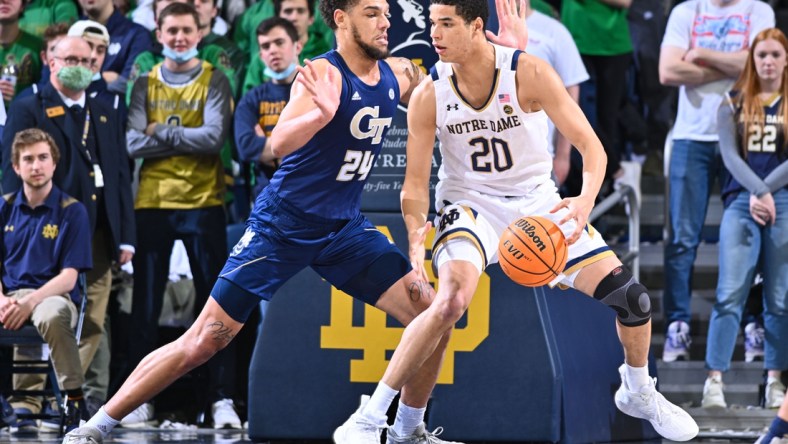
208 436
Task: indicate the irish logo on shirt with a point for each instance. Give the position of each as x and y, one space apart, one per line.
50 231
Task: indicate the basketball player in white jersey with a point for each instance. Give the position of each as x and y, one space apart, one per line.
489 105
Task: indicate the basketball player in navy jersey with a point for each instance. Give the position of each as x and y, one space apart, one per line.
489 106
328 136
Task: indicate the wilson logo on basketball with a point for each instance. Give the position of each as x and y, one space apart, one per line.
532 251
530 231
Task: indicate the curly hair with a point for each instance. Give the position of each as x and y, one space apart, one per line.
327 8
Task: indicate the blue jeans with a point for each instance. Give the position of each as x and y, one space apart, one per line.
743 246
693 168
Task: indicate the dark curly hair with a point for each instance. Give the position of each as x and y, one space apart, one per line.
327 8
467 9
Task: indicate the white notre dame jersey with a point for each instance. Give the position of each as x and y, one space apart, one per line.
497 149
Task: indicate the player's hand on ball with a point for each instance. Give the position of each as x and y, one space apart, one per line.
324 93
417 252
579 208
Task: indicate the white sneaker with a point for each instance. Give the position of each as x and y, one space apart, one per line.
775 393
357 429
713 396
677 342
141 417
753 342
647 403
83 435
224 416
177 431
419 436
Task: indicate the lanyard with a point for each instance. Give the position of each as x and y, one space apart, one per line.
85 133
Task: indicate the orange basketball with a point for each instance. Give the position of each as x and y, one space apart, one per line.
532 251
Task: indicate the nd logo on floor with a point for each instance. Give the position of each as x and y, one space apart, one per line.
377 339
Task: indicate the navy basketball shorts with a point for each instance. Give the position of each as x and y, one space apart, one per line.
281 240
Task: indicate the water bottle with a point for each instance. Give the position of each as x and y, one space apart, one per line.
10 71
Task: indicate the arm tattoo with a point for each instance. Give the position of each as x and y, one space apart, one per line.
220 332
414 75
419 289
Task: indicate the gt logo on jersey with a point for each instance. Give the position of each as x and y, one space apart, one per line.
243 242
375 126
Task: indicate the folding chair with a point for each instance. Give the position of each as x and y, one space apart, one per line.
28 335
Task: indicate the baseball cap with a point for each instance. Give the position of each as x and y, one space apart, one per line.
89 28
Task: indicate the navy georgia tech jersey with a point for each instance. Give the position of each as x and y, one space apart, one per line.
327 175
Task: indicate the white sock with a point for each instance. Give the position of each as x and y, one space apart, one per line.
103 422
378 404
408 419
637 377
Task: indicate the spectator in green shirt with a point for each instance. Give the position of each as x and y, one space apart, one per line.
40 14
52 35
208 10
601 32
19 52
213 54
314 35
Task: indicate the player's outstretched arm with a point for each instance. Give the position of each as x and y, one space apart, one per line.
512 30
551 95
415 195
314 100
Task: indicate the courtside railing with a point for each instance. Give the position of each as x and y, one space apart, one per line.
625 194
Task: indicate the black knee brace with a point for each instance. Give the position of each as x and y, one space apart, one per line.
620 291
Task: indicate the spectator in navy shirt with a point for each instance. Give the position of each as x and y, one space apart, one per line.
97 36
258 111
45 244
127 38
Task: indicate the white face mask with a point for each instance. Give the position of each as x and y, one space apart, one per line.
179 57
271 74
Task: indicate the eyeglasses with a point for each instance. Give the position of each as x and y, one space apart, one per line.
74 61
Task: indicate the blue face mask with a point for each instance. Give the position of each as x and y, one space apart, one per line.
271 74
179 57
96 76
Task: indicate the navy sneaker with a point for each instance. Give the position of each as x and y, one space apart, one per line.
7 414
24 426
677 342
